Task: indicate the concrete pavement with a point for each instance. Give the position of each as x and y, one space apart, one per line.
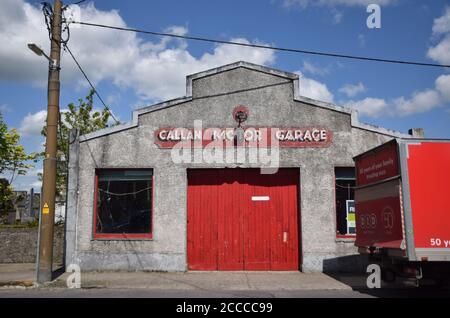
17 280
17 275
219 281
24 275
57 293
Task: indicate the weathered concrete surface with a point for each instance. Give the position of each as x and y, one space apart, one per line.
207 281
17 274
21 278
213 99
19 245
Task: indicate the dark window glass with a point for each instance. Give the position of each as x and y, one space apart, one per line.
345 195
124 202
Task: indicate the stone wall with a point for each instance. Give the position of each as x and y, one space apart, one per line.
19 245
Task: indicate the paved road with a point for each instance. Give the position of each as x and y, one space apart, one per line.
145 293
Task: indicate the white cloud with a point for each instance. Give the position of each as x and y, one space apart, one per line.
441 30
161 75
441 52
32 123
315 70
21 23
420 102
443 86
442 24
352 90
370 107
314 89
155 70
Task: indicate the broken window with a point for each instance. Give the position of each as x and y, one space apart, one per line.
124 203
345 204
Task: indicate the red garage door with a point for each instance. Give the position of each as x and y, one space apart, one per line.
239 219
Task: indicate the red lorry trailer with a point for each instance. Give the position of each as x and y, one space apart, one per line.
402 203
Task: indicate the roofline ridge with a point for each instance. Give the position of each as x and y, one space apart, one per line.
354 120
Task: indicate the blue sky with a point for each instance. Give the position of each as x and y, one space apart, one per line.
133 70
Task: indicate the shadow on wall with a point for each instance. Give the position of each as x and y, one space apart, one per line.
132 264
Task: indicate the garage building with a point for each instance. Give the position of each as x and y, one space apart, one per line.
242 173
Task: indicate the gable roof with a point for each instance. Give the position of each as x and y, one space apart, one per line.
255 67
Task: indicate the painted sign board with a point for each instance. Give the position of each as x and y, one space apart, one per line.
377 203
351 220
377 165
262 137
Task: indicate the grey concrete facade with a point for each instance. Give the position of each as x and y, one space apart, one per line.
274 100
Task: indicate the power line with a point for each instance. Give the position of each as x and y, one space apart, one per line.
90 83
260 46
123 194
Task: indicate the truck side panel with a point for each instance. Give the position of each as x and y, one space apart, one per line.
429 194
379 218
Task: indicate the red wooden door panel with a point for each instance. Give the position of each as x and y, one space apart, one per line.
202 235
285 248
230 227
257 216
239 219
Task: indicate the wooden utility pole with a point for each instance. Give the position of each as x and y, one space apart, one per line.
45 258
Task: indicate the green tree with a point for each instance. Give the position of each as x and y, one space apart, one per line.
82 117
6 198
3 131
13 158
13 161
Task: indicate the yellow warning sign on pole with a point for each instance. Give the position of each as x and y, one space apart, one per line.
45 209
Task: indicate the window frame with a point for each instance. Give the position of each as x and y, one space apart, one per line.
340 236
122 236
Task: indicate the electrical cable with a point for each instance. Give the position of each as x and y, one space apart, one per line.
123 194
90 83
345 187
66 29
260 46
48 12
